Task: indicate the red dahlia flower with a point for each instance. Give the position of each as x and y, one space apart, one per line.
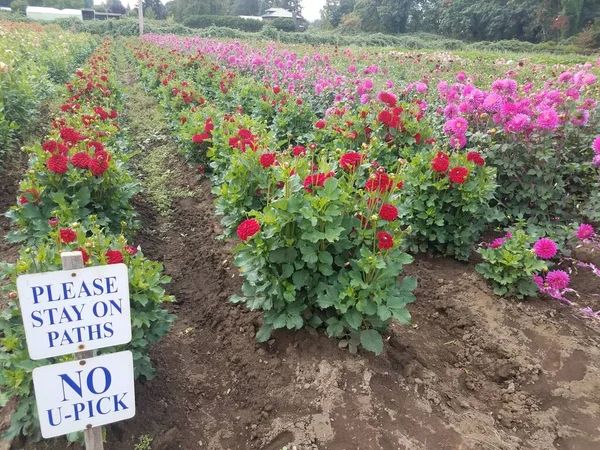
98 166
458 175
58 163
34 194
385 117
84 255
131 249
267 159
114 256
97 146
476 158
350 161
440 163
81 160
67 235
248 228
316 180
380 181
385 240
50 146
200 138
70 136
320 124
388 212
299 150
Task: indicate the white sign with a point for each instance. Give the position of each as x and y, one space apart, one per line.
75 310
80 394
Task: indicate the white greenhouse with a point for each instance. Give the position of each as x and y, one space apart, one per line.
43 13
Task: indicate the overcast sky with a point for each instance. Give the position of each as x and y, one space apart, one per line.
310 8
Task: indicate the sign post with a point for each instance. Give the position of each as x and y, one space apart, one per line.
141 16
93 435
76 311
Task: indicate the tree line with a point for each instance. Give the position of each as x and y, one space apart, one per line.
470 20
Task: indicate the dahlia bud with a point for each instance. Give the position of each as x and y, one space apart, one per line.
374 217
32 172
89 244
392 176
545 269
75 224
286 165
484 116
12 295
364 145
408 229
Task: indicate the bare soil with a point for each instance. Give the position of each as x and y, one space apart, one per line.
474 372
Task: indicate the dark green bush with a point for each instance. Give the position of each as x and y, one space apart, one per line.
237 23
284 24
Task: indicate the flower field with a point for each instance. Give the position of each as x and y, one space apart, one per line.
365 249
32 58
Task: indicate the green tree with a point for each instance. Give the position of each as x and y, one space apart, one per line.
245 8
158 9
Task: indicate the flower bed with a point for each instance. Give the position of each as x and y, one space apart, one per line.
307 163
32 59
76 197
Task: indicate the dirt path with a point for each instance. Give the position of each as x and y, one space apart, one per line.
474 372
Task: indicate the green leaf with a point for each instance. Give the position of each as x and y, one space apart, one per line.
325 258
237 299
354 318
408 284
264 333
383 312
371 340
299 278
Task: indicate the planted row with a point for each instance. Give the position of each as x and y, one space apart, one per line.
76 197
32 59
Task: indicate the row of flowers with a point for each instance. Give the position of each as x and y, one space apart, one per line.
345 204
462 155
76 197
532 122
32 59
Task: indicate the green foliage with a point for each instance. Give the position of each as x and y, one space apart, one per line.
19 6
314 263
445 216
471 20
144 442
511 266
543 178
78 194
284 24
237 23
149 321
33 59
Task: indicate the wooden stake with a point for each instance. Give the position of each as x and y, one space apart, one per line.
92 435
141 17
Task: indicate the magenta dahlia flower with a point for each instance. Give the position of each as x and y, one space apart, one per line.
539 281
557 279
596 145
548 119
497 243
585 231
545 248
